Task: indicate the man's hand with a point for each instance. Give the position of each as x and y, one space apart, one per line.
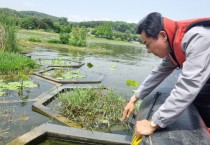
129 108
143 127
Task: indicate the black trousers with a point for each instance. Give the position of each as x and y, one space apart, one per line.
202 103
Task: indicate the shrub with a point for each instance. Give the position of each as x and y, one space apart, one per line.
64 38
53 41
34 39
78 37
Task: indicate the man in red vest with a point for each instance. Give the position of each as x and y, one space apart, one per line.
184 44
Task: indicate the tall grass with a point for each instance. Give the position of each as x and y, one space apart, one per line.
34 39
8 34
95 109
12 63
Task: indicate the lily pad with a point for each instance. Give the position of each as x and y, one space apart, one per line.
90 65
64 74
29 84
15 86
113 67
56 61
12 85
132 83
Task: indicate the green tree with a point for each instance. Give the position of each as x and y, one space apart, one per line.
119 35
62 26
63 21
46 24
104 31
30 23
78 37
122 27
64 38
57 27
65 29
9 12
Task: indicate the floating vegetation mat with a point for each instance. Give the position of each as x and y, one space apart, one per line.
62 74
70 75
58 62
95 109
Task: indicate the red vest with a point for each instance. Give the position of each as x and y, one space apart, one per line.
175 31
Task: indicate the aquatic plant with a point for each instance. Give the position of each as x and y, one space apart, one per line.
132 84
95 109
16 86
62 74
55 62
113 67
90 65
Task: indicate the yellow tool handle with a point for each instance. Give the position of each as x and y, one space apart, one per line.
136 139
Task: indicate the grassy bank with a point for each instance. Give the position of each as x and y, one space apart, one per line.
11 63
24 35
61 47
92 39
37 33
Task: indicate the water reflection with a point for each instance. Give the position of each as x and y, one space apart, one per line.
122 52
130 61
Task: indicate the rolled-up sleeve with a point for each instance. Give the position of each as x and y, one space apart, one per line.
195 73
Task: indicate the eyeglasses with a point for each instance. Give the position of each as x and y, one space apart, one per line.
148 44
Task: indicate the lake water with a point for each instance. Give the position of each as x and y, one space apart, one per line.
125 63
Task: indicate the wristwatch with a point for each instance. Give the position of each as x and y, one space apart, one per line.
153 124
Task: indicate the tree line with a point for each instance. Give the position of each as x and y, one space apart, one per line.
103 29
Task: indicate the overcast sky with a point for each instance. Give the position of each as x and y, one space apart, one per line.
114 10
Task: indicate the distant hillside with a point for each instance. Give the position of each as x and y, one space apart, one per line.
9 12
25 14
39 15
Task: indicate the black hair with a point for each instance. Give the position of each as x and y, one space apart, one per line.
151 25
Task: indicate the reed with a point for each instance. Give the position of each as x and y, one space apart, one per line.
8 31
